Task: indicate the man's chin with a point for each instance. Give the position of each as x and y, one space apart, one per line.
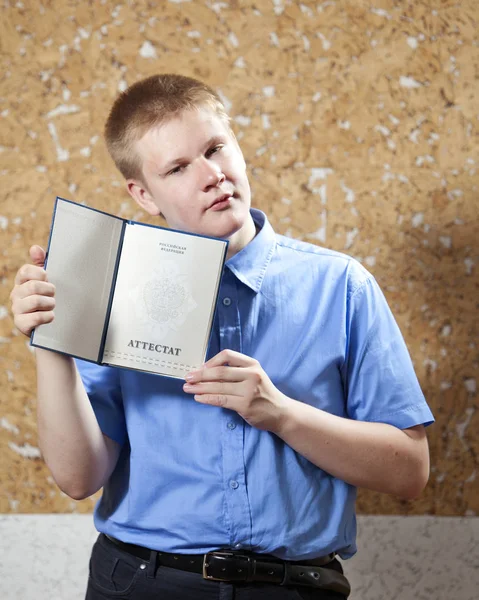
228 223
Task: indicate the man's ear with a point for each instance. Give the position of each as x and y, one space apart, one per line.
142 197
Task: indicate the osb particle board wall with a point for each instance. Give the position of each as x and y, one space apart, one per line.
359 123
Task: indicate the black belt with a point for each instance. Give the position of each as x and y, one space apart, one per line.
236 566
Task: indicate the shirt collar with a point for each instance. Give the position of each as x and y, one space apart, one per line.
250 264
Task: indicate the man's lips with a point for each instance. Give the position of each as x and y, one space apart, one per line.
221 201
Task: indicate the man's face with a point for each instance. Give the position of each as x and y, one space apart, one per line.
195 175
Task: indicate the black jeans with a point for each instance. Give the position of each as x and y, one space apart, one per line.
116 574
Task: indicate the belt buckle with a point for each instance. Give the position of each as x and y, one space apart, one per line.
223 555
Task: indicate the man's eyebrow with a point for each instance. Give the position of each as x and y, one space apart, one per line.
215 139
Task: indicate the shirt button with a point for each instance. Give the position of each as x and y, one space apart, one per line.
226 301
231 425
234 484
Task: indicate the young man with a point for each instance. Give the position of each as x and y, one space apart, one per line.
308 392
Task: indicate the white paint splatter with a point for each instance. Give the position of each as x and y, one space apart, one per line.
384 130
413 136
269 91
3 222
446 330
471 477
320 234
226 102
122 85
469 263
233 39
239 62
63 109
178 1
417 219
273 38
62 154
317 96
286 201
428 362
278 6
421 159
409 82
306 43
470 385
4 424
147 50
319 173
350 236
26 450
461 427
454 194
394 120
343 124
350 196
243 120
84 34
218 6
265 121
326 43
445 241
380 12
193 34
86 151
261 150
370 261
306 10
412 42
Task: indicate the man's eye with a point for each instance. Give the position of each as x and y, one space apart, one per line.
177 169
214 149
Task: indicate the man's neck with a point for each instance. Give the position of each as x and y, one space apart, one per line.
242 238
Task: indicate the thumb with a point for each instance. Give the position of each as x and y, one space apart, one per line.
37 254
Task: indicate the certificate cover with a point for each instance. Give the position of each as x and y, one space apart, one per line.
129 294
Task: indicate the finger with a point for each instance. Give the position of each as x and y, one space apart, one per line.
222 373
33 287
230 357
26 323
27 272
220 388
37 254
217 400
32 304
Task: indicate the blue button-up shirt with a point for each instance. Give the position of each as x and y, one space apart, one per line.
192 477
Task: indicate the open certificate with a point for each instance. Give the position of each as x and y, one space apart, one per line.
129 294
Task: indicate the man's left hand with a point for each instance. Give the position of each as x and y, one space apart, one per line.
236 381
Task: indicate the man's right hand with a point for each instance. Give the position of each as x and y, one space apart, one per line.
33 297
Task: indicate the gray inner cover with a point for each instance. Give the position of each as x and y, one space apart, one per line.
81 261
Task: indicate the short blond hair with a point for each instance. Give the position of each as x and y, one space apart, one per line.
149 103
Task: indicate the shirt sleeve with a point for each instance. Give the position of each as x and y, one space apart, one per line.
102 384
380 381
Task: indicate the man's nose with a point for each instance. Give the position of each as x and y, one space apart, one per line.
211 174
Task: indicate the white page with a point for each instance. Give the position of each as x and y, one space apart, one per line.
81 261
164 300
